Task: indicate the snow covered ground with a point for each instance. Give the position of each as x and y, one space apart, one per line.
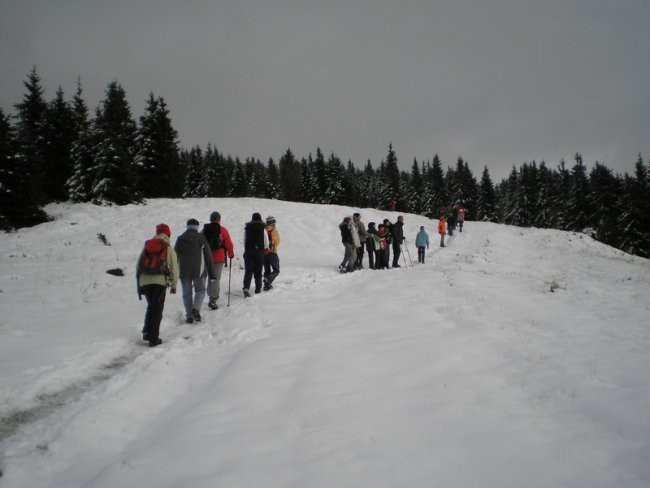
512 358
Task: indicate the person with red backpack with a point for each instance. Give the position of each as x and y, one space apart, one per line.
157 269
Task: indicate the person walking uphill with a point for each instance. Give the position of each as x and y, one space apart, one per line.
221 247
256 240
398 239
271 258
442 230
422 243
350 252
195 263
157 269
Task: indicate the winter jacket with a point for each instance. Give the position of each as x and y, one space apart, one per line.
422 239
398 232
172 265
194 256
346 233
228 248
442 227
274 239
363 234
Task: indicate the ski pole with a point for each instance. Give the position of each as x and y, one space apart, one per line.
408 252
229 276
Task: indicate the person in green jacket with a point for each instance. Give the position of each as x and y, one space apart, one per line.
153 281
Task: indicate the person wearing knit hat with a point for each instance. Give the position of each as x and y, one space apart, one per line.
271 258
256 241
195 262
154 284
221 248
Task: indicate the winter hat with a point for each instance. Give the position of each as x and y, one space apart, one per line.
371 225
256 216
270 220
193 224
215 216
163 229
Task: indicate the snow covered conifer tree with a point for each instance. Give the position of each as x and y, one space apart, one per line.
157 158
116 177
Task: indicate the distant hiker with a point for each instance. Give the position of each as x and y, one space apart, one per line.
371 244
363 236
388 237
462 213
195 264
271 258
398 239
451 223
392 205
381 245
422 243
256 240
442 230
349 248
157 269
221 247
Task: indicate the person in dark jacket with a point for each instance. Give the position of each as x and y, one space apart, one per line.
371 244
350 252
256 240
398 239
195 263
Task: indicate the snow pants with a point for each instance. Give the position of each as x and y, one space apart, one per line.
155 295
253 265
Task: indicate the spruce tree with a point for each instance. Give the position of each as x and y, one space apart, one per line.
290 177
79 185
157 158
578 196
605 192
17 208
30 136
60 136
335 191
390 173
116 175
487 203
272 189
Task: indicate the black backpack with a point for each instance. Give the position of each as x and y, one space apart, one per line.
212 233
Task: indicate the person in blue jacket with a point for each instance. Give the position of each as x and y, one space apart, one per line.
422 243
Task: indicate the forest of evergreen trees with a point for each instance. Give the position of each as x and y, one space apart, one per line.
55 151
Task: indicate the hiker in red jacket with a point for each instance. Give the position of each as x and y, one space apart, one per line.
221 247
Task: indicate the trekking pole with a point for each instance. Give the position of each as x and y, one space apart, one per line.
229 276
408 252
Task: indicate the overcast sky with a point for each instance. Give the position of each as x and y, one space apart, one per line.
498 82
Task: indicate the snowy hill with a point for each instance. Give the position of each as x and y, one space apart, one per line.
513 357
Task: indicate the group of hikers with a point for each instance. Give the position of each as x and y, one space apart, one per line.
379 240
200 255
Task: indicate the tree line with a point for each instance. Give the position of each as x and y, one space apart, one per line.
54 151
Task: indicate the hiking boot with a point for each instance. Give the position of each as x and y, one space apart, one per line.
155 343
189 320
212 304
247 293
196 315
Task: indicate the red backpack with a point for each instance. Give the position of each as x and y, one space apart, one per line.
154 257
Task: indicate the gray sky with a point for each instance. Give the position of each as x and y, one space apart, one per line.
498 82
